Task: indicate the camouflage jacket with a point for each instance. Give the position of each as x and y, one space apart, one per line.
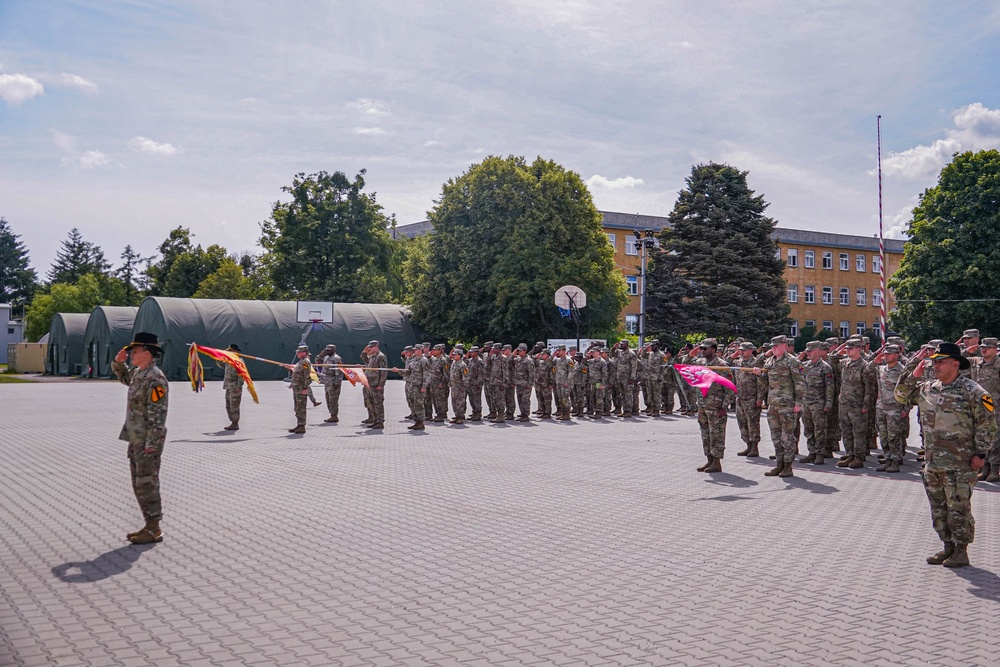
523 374
786 383
477 371
749 387
458 375
500 372
330 375
651 365
987 375
417 372
439 377
957 419
376 371
886 379
146 406
301 375
627 366
544 376
819 384
231 381
578 376
563 371
858 386
597 371
717 395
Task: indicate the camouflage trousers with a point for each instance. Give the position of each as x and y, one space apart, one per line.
428 398
458 402
651 390
499 400
299 406
146 480
332 392
692 394
476 399
814 422
577 398
367 395
524 399
748 419
595 399
635 398
378 405
233 399
950 495
993 455
608 402
439 394
854 428
562 398
488 390
713 432
509 396
833 428
872 430
892 432
415 400
624 390
543 394
782 421
667 390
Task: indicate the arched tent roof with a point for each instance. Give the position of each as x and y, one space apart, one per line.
268 329
108 330
65 353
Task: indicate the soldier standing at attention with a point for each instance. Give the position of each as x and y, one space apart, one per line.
477 373
597 379
487 355
564 382
579 381
439 384
458 382
377 374
986 373
510 396
818 402
233 384
523 377
418 377
366 392
890 417
145 428
857 397
712 410
499 375
405 356
827 352
750 393
543 383
332 379
301 379
627 369
786 389
959 427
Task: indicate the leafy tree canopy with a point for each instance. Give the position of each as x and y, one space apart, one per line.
76 259
17 278
79 297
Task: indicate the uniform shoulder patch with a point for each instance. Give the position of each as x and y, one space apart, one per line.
988 402
159 392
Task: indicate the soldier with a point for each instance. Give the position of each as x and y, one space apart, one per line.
691 394
564 382
301 379
429 394
439 384
544 381
668 382
750 390
986 373
627 373
652 374
579 382
597 378
609 379
857 397
458 382
786 389
232 383
375 371
818 402
508 360
959 428
405 357
890 416
533 358
499 379
522 377
145 428
476 376
366 393
833 419
487 374
712 410
417 375
332 378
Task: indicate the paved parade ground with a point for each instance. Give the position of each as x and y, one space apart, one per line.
553 543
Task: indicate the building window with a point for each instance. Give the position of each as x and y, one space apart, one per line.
793 331
631 245
860 328
828 325
844 259
828 260
860 263
631 324
845 296
810 324
632 282
877 297
845 329
810 294
877 328
793 257
613 240
828 296
810 259
777 254
876 264
861 296
793 294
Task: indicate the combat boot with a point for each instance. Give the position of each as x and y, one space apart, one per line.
232 427
477 417
458 420
943 555
715 467
753 453
708 464
776 470
960 557
419 426
818 461
787 470
892 467
140 531
984 472
745 452
994 476
858 462
845 461
808 459
884 467
376 426
298 429
331 420
152 533
626 414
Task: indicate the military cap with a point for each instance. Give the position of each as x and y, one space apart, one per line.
709 342
988 342
779 340
765 347
853 344
935 342
408 348
824 345
333 347
624 342
653 342
426 344
460 346
746 345
891 348
373 343
833 340
147 340
545 350
951 351
560 347
970 333
456 350
894 340
505 346
539 344
302 348
439 346
488 343
867 340
233 347
498 346
522 346
812 345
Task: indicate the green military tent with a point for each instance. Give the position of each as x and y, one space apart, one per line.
108 330
65 355
268 329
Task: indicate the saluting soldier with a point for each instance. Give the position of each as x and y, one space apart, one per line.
544 381
418 378
564 382
301 379
523 375
786 389
458 383
332 378
818 402
712 410
597 379
232 382
890 417
750 392
857 398
377 373
986 373
439 383
477 376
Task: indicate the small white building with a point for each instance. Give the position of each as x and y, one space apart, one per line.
10 331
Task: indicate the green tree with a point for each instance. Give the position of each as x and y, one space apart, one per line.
133 279
77 258
330 241
17 278
717 268
189 269
80 297
176 244
945 280
507 235
226 282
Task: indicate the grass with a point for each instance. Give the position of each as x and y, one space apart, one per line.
4 379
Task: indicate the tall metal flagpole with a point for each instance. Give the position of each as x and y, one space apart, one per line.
881 239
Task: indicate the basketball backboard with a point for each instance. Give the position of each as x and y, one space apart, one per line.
570 296
313 311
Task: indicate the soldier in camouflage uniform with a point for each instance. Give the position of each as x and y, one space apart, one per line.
833 419
499 379
145 428
786 389
544 381
458 383
477 376
301 379
668 382
818 402
366 393
332 379
523 376
626 375
959 427
691 394
376 372
986 373
597 378
750 392
487 355
563 382
609 379
858 390
890 417
439 384
652 378
510 396
712 410
969 342
579 382
417 375
232 383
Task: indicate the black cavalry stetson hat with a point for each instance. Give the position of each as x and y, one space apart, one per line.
146 340
950 350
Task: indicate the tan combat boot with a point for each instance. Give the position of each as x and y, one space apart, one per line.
708 464
753 453
152 533
811 458
943 555
960 558
776 470
846 461
818 461
716 466
787 470
419 426
298 429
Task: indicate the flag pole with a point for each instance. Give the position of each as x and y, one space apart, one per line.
881 239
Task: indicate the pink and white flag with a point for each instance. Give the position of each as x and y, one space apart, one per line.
702 378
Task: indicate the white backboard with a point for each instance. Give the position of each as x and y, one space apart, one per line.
314 311
570 293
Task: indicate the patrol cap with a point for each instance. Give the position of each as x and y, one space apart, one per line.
456 350
498 346
408 348
439 346
935 342
813 345
522 346
891 348
373 343
853 344
539 345
488 343
545 350
302 348
624 342
894 340
505 346
824 345
474 348
747 346
867 340
970 333
709 342
988 342
333 347
560 347
779 340
833 340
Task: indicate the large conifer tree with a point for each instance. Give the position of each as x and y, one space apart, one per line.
17 278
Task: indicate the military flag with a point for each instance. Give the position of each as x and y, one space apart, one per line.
355 375
702 378
196 371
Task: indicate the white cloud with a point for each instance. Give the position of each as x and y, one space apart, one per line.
976 128
614 184
17 88
75 81
66 142
370 131
432 142
94 159
144 145
371 108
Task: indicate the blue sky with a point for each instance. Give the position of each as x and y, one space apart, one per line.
126 119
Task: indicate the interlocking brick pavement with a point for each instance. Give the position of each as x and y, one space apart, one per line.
556 543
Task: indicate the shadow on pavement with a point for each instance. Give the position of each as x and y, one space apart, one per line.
106 565
727 479
811 487
986 585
